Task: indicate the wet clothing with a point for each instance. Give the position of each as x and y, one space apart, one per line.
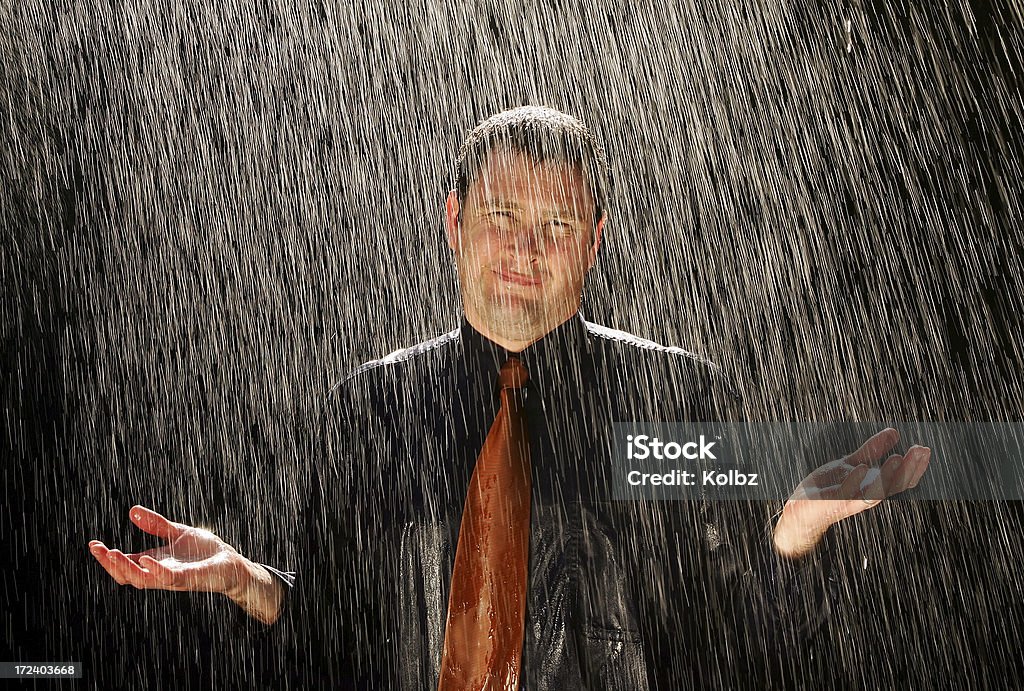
621 594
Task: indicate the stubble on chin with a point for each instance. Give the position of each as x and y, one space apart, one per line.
525 320
512 317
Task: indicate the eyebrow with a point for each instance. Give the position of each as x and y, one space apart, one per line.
562 213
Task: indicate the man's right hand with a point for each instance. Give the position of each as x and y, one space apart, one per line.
195 560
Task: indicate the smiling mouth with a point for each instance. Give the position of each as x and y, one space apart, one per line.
518 279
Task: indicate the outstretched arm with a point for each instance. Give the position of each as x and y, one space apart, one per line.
193 560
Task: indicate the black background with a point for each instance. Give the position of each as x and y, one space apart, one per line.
211 212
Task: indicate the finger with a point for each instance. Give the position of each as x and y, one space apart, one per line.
847 488
902 480
160 573
133 573
155 524
924 457
130 572
100 552
113 566
896 474
911 468
873 448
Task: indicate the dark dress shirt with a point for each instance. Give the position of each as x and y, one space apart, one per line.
622 594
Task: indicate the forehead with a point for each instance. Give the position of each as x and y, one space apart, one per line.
514 176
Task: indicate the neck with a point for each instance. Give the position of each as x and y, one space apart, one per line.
513 345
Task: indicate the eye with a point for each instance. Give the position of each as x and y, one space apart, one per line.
501 219
560 228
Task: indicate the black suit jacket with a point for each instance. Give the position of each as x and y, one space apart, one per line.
622 595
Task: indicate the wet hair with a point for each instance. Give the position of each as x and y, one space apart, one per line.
545 135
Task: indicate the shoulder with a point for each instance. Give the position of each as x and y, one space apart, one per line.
392 373
405 357
614 338
645 363
613 342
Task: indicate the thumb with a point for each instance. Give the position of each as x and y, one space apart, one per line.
155 524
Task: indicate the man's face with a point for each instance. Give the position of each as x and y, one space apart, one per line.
526 240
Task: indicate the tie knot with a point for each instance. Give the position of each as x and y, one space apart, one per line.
513 374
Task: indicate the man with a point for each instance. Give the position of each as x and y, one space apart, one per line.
462 532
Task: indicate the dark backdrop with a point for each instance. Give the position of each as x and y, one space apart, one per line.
210 212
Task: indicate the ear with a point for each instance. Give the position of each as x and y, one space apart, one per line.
451 217
598 230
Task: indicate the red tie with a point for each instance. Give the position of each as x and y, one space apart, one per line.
483 643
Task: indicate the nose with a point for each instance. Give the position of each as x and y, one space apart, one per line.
526 240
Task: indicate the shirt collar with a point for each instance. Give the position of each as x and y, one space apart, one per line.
561 354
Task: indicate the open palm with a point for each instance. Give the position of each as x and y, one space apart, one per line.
193 559
844 488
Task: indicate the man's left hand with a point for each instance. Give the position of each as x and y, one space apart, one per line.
844 488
